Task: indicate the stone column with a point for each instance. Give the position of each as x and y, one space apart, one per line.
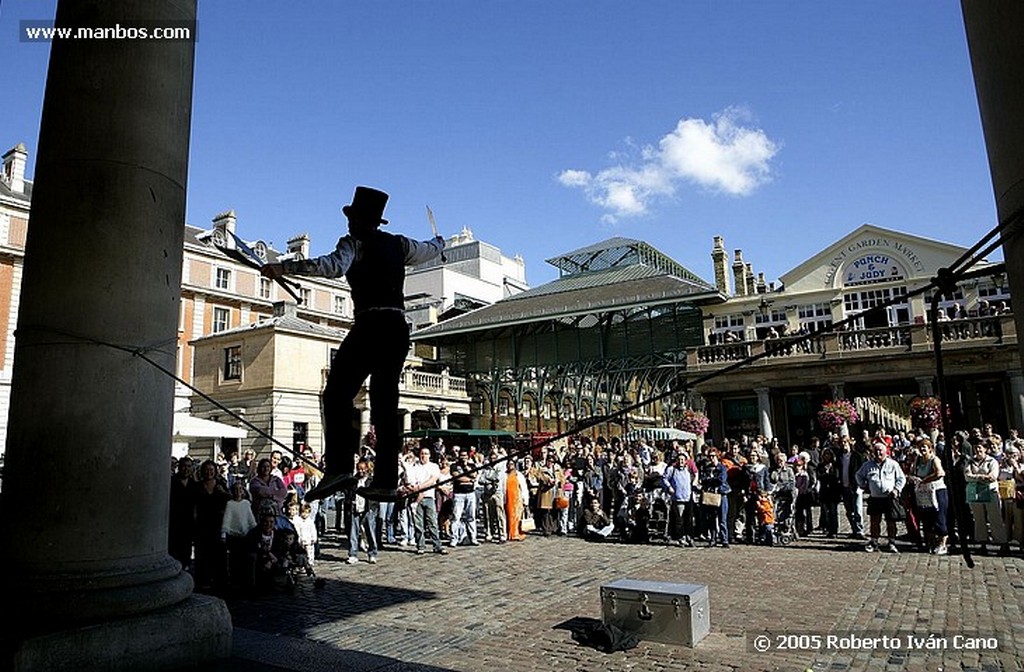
86 486
764 411
443 418
997 60
1016 399
365 425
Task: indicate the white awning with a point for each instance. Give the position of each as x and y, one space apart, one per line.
190 427
656 433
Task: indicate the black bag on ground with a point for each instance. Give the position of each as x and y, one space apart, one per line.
607 638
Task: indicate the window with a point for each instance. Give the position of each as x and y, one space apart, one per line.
233 363
221 319
223 279
307 296
770 324
814 317
264 288
503 405
339 305
527 408
727 328
993 292
856 303
300 435
728 321
773 316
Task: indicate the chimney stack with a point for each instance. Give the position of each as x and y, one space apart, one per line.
14 168
719 257
285 309
298 246
748 277
225 222
738 273
762 286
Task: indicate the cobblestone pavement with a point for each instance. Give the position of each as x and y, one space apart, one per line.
513 607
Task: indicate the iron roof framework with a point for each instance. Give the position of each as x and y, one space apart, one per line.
613 328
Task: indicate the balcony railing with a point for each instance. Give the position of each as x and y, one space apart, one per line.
874 339
434 384
967 332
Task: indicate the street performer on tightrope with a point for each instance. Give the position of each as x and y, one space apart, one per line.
374 264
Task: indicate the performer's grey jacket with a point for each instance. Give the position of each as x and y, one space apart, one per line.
881 479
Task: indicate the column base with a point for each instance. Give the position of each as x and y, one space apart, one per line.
186 634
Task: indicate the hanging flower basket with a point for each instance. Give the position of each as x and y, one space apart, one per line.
694 422
836 413
926 412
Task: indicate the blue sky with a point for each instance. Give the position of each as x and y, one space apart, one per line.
547 126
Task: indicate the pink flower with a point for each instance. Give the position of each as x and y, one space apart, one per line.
835 413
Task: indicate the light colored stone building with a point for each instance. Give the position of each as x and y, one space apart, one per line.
271 373
472 275
882 358
15 199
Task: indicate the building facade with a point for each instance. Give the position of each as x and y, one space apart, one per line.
472 274
15 199
605 338
610 332
881 358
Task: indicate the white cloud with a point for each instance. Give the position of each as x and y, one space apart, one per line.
719 156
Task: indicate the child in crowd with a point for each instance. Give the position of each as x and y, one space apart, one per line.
765 512
287 557
305 526
259 545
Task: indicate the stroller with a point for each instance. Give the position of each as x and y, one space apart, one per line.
785 525
657 524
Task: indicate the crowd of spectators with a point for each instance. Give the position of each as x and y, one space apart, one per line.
241 522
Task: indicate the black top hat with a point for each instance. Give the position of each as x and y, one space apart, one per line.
369 203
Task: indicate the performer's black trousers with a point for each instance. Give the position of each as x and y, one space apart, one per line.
376 346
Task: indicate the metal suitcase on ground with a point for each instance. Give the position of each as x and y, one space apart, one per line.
671 613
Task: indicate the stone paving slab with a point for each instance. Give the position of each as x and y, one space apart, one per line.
513 606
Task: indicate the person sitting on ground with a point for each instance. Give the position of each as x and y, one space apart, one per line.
286 560
259 543
595 525
637 515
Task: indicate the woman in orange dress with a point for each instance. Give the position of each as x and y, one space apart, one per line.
516 495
